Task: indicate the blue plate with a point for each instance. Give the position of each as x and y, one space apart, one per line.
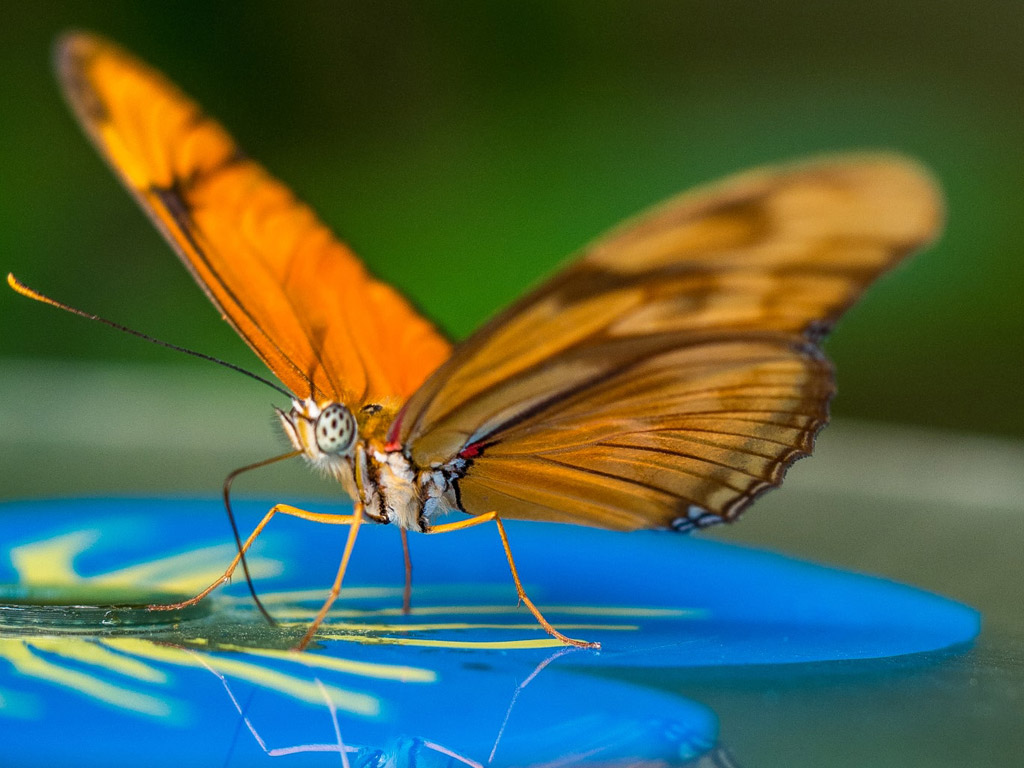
466 679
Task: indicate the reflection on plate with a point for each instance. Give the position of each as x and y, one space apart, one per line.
466 679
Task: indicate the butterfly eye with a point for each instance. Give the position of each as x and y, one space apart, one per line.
336 430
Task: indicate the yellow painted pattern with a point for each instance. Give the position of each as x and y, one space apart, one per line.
128 672
499 645
290 685
98 656
20 654
187 572
406 674
51 561
625 612
457 625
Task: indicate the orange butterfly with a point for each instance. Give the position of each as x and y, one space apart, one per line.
664 379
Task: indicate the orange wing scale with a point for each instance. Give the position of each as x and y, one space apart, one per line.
301 299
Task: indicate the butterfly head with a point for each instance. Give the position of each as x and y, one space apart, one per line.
350 447
326 435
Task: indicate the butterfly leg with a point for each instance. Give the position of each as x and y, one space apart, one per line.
285 509
407 591
480 519
350 542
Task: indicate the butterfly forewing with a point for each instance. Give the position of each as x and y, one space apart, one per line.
300 299
675 368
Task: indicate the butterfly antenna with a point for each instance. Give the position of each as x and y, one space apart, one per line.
234 525
24 290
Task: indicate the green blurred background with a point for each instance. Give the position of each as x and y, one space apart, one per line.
465 149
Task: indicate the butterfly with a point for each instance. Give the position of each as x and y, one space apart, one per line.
664 379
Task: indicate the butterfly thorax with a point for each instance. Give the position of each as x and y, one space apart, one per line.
351 448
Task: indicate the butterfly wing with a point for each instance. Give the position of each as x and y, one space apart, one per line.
301 299
674 372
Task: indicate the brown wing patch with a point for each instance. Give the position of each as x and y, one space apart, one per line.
301 299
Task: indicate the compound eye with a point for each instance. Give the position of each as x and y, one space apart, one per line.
336 430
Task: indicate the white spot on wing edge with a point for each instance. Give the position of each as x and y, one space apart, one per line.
696 517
